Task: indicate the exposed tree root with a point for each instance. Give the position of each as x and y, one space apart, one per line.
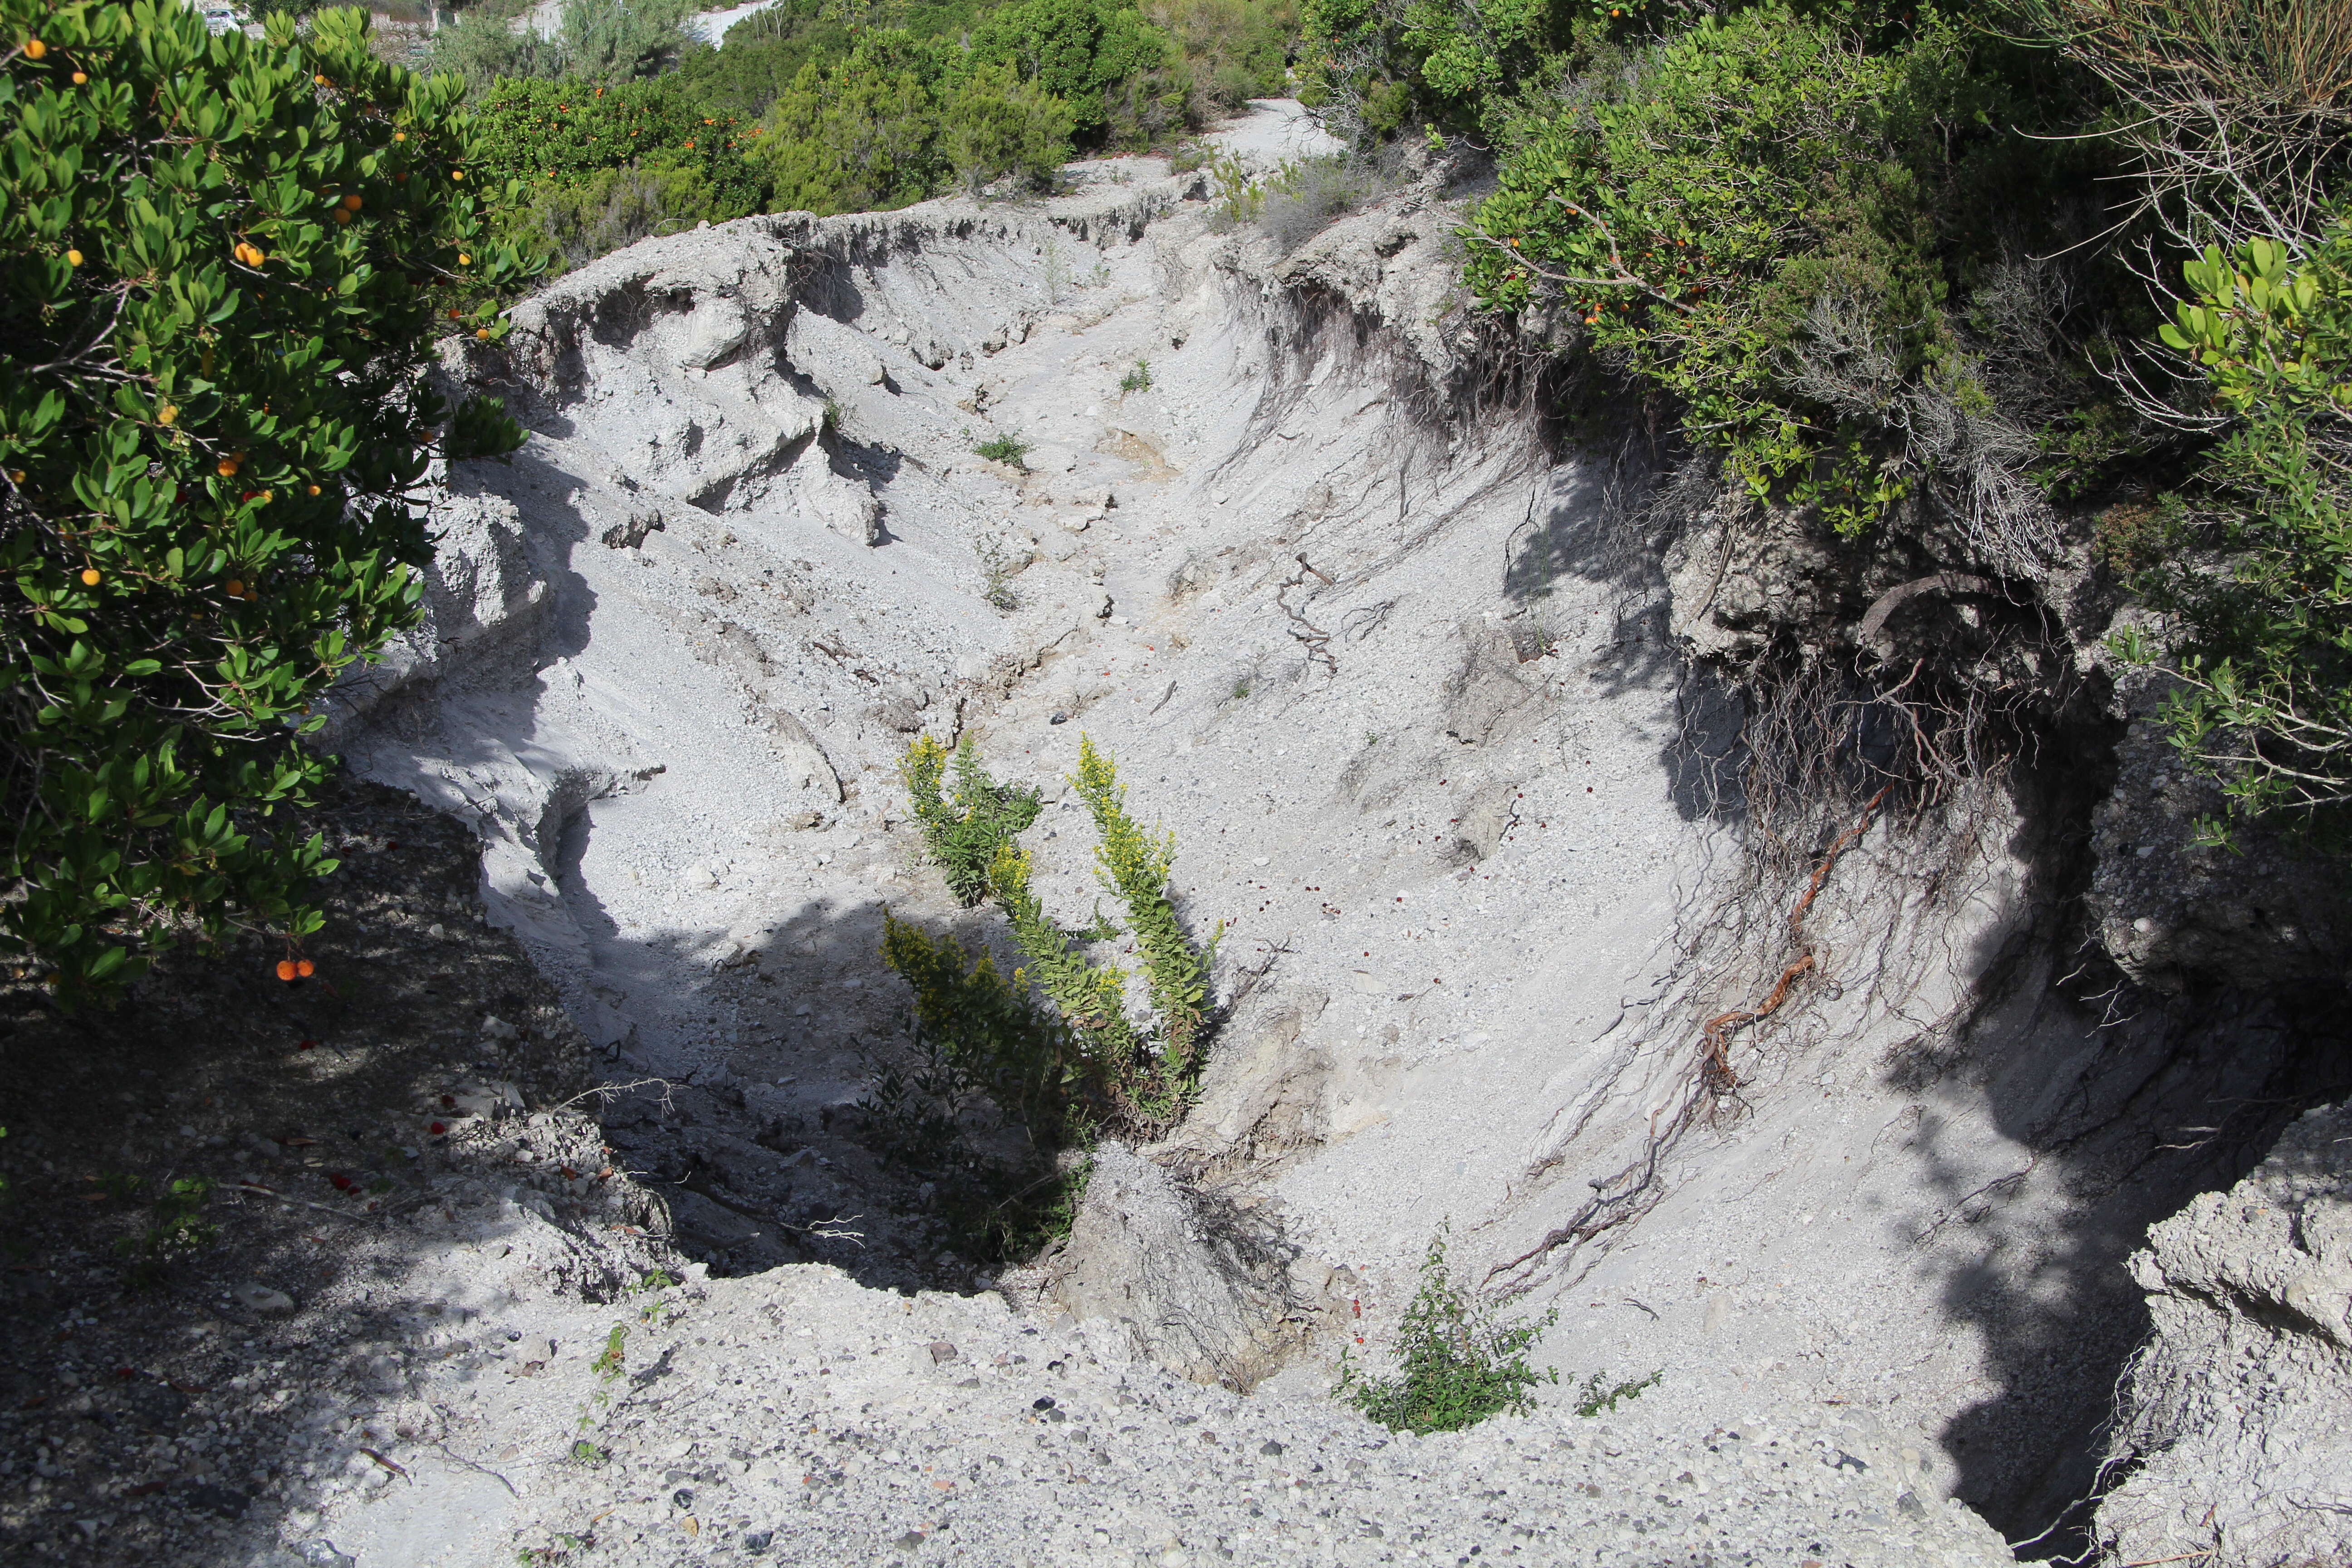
1633 1191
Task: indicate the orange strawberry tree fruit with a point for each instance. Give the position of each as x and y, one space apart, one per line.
207 380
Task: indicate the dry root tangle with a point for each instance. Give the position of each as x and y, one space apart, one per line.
1829 749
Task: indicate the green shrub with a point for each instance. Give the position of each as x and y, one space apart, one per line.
1455 1365
994 124
482 46
1136 865
222 264
762 53
598 41
604 166
620 40
1232 50
1128 1071
1111 67
1758 168
1373 66
765 51
861 133
963 836
1008 450
1053 1047
2259 605
581 219
1138 379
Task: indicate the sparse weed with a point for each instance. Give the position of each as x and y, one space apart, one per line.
176 1226
655 1311
1241 689
1456 1365
997 566
1139 379
832 416
1597 1398
610 1362
1234 198
1010 451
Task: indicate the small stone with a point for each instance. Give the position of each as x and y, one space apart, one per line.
758 1540
941 1352
1059 718
683 1497
1270 1448
255 1297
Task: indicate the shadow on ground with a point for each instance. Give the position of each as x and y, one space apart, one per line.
180 1371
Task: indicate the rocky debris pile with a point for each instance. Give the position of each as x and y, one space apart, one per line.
2234 1421
797 1417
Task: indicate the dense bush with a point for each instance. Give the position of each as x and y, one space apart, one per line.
900 120
604 166
762 53
2253 565
597 41
222 265
1232 50
1888 266
809 107
1773 219
1114 72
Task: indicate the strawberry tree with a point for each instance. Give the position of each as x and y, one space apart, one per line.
224 265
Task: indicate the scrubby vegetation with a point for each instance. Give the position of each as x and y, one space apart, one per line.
1900 272
224 265
624 124
1056 1046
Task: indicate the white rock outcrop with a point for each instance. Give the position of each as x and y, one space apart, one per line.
2235 1420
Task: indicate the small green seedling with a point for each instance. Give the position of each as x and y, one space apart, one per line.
1139 379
